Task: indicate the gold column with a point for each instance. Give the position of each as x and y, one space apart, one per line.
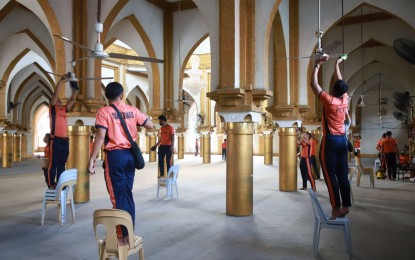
268 148
148 144
24 146
17 148
152 143
180 139
79 159
288 159
206 147
7 151
239 183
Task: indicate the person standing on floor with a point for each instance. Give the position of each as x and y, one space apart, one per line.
381 156
165 144
390 150
357 146
224 144
59 142
305 166
197 147
119 165
313 160
45 158
333 148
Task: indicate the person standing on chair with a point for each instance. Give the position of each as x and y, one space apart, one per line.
119 165
305 166
390 150
165 144
59 142
333 148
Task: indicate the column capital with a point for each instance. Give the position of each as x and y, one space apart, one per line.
288 123
243 116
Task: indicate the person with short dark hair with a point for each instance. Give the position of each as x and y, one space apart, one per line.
59 142
390 150
333 148
119 165
165 144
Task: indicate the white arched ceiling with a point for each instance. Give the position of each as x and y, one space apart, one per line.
125 32
210 14
138 94
188 30
384 31
133 81
23 74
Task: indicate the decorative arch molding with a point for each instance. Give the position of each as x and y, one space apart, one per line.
41 46
54 26
141 95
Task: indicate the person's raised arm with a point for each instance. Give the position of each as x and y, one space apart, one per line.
58 88
337 73
315 87
72 100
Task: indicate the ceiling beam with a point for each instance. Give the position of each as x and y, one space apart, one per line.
366 18
173 6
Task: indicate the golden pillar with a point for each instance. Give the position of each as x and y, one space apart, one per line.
288 158
180 139
268 147
79 159
206 147
239 168
24 146
148 144
17 147
7 151
152 143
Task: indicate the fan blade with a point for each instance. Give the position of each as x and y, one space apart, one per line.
96 78
73 43
130 57
405 48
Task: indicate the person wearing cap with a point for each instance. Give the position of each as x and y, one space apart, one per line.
119 165
165 144
59 142
333 148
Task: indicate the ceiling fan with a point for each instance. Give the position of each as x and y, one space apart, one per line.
73 80
98 52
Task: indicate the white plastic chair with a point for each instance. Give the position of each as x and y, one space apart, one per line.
364 170
321 220
62 195
108 246
376 166
169 181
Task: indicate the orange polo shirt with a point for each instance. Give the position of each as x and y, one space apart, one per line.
389 145
165 134
116 138
313 145
334 113
305 150
58 121
357 144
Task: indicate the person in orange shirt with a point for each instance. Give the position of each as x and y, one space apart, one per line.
165 144
313 161
119 165
357 146
224 150
390 150
379 149
45 158
305 167
59 142
333 148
